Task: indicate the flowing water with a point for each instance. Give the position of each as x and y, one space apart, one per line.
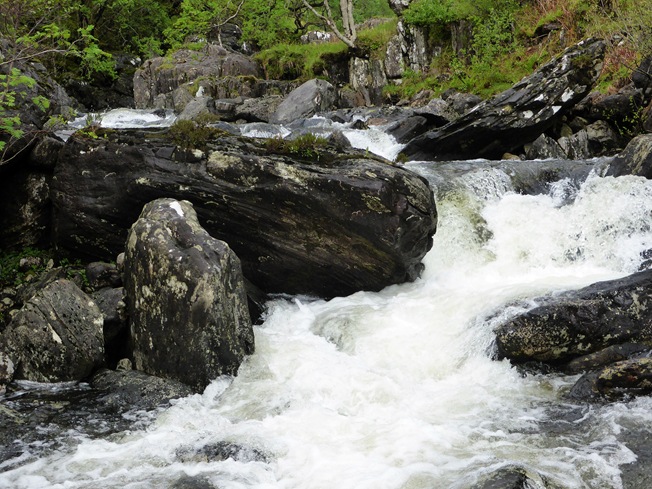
397 389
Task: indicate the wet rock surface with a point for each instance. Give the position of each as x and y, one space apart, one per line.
576 323
317 221
38 419
517 115
619 380
221 450
125 390
186 298
506 478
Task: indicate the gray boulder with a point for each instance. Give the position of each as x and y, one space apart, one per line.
581 322
305 101
518 115
197 107
56 336
186 298
544 147
159 77
636 159
597 139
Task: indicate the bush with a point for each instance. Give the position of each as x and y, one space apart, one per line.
298 61
305 146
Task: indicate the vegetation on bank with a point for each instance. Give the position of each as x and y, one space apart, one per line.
485 45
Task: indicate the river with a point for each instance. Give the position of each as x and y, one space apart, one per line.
397 389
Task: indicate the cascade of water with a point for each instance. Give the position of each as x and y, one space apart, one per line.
396 389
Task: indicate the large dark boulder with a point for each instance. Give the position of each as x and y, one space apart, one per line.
518 115
186 298
636 159
576 323
309 220
56 336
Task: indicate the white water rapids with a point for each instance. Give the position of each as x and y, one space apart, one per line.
396 389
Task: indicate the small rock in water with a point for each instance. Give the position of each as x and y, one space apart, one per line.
221 450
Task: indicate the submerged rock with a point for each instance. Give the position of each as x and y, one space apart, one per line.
511 477
186 299
517 115
221 450
56 336
126 390
580 322
624 379
308 220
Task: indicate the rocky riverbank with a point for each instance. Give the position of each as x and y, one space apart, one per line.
211 223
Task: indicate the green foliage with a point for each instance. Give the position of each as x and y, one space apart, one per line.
11 271
493 35
188 134
266 23
374 41
20 267
429 13
10 85
298 61
369 9
305 146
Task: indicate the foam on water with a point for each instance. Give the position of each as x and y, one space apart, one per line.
396 389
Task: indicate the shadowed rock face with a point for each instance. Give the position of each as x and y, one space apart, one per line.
186 299
518 115
319 223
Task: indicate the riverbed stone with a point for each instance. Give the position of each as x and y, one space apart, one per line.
580 322
56 336
518 115
186 298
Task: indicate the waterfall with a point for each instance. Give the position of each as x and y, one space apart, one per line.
397 389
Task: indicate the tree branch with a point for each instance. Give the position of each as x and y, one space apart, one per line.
328 20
